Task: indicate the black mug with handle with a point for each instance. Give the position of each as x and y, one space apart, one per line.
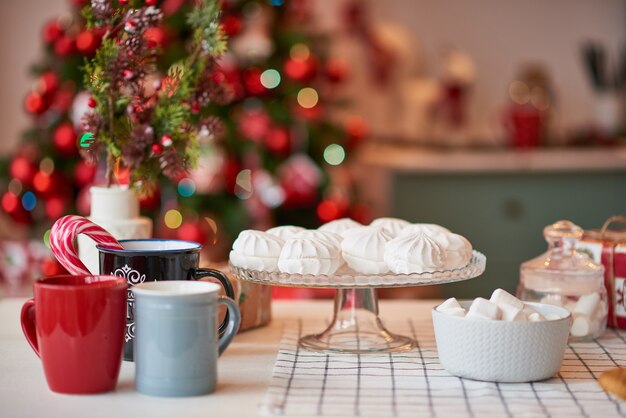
147 260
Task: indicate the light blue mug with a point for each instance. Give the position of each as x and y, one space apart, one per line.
176 342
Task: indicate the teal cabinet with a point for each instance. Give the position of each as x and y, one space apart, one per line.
503 214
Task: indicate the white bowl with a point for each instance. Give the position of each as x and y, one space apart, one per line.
500 351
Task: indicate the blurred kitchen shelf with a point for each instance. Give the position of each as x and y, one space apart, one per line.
417 159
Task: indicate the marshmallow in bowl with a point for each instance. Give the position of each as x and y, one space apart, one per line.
363 249
428 229
414 254
285 232
339 226
394 226
256 250
483 309
309 256
457 248
451 307
323 235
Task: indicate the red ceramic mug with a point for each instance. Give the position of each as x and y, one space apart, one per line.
76 326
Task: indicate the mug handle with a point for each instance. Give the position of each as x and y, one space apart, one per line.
224 281
234 321
27 318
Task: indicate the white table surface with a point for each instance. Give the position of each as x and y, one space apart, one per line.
244 371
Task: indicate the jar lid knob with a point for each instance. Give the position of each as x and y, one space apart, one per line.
563 229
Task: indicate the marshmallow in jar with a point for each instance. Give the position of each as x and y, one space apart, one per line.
564 277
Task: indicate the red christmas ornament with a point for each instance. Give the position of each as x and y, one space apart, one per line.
191 231
337 70
252 81
356 130
64 139
22 169
166 141
169 7
42 182
51 267
195 108
278 141
155 37
151 202
302 70
64 46
151 2
328 210
48 82
10 202
52 31
55 207
35 103
231 25
122 2
157 149
92 103
87 42
84 173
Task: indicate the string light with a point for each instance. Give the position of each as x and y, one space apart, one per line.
334 154
307 97
243 184
186 187
15 187
46 166
299 52
29 201
173 219
270 78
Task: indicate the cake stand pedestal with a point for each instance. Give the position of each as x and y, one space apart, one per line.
356 326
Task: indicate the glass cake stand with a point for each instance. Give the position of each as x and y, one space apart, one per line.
356 326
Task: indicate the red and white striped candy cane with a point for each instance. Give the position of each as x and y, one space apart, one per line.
63 241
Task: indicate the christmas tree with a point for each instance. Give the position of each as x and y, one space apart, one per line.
265 139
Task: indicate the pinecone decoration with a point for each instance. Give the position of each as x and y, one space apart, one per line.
144 18
102 9
135 149
171 165
211 89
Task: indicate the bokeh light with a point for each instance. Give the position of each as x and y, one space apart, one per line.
270 78
243 184
46 238
299 52
277 3
173 219
334 154
15 187
46 165
186 187
29 201
519 92
307 97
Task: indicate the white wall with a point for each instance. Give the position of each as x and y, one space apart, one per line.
21 45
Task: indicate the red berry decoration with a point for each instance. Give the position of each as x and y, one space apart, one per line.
35 103
151 2
195 108
122 2
52 31
127 74
130 26
92 103
157 149
64 46
87 42
64 139
166 141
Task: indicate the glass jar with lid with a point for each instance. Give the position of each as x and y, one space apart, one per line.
564 277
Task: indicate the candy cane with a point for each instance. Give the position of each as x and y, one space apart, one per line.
63 241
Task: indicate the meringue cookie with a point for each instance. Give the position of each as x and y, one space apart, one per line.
256 250
364 249
331 237
285 232
414 254
393 225
309 256
339 226
457 248
428 229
